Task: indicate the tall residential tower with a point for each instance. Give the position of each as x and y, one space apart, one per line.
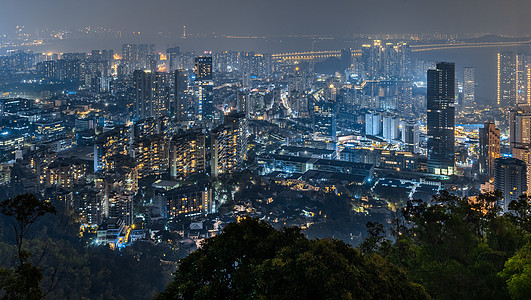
441 119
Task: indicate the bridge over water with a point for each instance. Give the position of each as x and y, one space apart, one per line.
322 55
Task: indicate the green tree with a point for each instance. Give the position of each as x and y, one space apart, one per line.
521 209
517 273
454 246
24 281
376 238
252 260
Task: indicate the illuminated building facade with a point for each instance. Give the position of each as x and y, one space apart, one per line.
373 123
109 144
66 173
121 207
489 148
14 105
411 136
469 83
152 94
510 178
204 87
385 60
441 119
520 126
520 136
513 80
136 56
203 68
188 154
151 155
229 145
189 200
205 97
181 104
172 55
324 121
87 205
506 80
47 131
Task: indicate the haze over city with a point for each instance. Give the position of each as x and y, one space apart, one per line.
312 17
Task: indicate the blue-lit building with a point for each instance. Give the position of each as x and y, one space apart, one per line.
324 121
204 87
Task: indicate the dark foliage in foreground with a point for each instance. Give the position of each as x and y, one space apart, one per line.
459 248
251 260
41 256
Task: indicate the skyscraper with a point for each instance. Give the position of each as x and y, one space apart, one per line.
387 60
172 55
324 121
489 148
468 86
410 136
520 79
390 128
346 59
204 87
520 127
205 97
151 94
514 83
506 96
135 56
373 123
187 154
180 104
229 144
510 178
520 136
441 119
203 68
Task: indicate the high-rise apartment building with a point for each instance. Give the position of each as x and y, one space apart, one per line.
489 148
151 155
136 56
441 119
111 143
152 97
181 104
188 200
410 136
520 136
346 59
229 144
469 82
373 123
386 61
204 87
510 178
172 56
203 68
506 73
205 100
324 121
188 154
513 80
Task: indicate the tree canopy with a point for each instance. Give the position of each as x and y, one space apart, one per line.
460 248
251 259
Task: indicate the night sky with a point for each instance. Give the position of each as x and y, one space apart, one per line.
272 17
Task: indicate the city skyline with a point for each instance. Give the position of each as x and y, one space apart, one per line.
265 149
